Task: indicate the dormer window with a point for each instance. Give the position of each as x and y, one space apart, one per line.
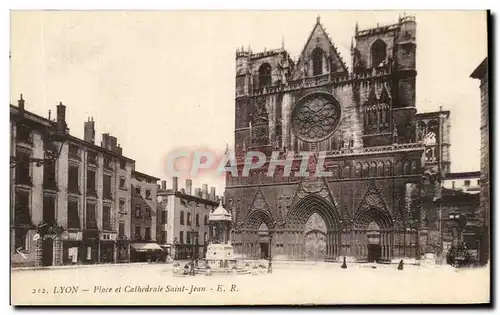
317 60
264 75
378 53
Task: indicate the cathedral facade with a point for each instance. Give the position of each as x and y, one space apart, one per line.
365 123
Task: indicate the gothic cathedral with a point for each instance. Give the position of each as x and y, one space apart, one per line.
376 145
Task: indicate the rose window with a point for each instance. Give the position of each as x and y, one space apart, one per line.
315 117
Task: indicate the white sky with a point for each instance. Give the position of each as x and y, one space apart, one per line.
162 80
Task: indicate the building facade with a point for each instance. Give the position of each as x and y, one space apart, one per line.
481 74
467 182
143 219
72 210
183 225
363 123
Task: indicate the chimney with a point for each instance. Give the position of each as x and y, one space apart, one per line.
20 103
89 131
105 141
175 184
204 191
164 185
197 192
61 116
212 193
119 150
112 143
189 185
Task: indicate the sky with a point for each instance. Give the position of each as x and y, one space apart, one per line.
163 80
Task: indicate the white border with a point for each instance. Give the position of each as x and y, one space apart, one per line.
6 6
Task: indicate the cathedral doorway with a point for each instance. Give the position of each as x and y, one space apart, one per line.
374 248
372 235
256 236
312 230
264 250
264 240
315 238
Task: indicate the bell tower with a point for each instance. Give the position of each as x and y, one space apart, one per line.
387 55
404 80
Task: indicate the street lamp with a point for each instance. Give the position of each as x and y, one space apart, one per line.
270 266
459 255
460 220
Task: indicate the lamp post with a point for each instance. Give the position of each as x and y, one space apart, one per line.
459 221
271 233
459 257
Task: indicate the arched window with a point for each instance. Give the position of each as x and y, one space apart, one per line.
357 170
388 168
347 171
366 170
380 168
264 75
378 53
373 169
317 59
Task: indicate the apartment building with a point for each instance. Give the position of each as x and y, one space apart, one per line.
183 219
70 198
143 220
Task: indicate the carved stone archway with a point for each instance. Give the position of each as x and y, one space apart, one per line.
372 234
295 227
256 231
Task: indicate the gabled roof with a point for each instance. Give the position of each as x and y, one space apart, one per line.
481 70
319 30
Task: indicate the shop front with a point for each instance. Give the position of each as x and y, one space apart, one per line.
107 247
73 248
107 251
122 251
90 250
145 252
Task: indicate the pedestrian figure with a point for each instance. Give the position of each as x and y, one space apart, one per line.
192 272
344 264
400 266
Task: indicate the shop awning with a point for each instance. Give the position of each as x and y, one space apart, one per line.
143 247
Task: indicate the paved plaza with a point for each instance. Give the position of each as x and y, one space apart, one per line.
290 283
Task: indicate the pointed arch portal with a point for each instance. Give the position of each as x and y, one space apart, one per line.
257 230
372 229
313 228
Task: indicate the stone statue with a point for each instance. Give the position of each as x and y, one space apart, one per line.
395 134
